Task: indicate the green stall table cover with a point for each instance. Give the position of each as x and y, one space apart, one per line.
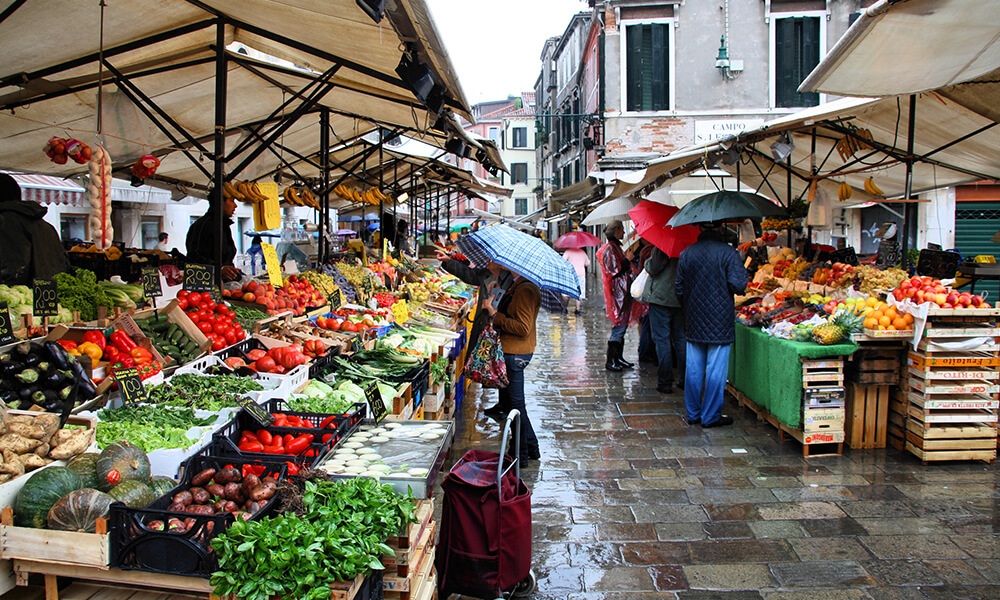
769 370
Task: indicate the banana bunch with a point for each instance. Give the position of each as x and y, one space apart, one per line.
845 191
873 189
244 191
302 196
370 196
850 144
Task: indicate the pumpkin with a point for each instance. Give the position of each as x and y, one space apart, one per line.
133 493
85 466
161 485
41 491
79 510
120 462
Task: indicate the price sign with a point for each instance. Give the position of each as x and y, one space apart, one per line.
400 311
45 298
888 254
846 256
385 248
375 403
255 410
366 285
6 327
216 295
336 299
356 344
272 264
130 384
198 277
151 282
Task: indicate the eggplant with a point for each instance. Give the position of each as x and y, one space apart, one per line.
6 385
25 392
58 355
31 360
6 357
66 392
28 375
9 369
53 379
44 397
87 387
9 397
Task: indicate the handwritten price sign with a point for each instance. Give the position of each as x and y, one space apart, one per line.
45 298
151 282
198 277
6 327
375 403
255 410
272 264
130 383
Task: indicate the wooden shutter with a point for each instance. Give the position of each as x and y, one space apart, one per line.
633 66
784 62
808 59
659 68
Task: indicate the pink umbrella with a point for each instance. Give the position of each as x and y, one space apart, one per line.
650 220
577 239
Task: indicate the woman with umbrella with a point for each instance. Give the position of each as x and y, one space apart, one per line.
616 271
574 242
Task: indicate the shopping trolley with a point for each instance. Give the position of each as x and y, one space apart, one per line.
485 547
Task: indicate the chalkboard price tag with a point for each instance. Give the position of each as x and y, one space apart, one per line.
375 403
198 277
847 256
6 327
215 295
888 254
130 384
255 410
151 282
45 298
356 344
336 299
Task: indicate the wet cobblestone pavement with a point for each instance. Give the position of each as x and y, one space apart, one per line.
629 503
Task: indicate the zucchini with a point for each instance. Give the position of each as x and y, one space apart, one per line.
170 329
170 349
177 336
191 347
161 327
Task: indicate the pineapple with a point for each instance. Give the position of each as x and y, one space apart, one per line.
843 323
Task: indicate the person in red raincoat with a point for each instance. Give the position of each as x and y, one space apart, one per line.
616 271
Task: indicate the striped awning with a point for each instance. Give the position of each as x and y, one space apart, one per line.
46 189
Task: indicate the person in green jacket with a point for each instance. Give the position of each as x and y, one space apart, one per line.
666 320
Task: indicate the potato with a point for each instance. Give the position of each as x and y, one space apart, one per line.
18 444
202 478
49 422
28 431
33 461
216 490
200 495
12 464
184 498
43 450
69 443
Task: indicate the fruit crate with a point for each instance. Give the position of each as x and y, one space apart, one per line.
822 373
875 364
867 412
136 547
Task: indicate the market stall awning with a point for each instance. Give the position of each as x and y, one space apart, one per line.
160 82
908 46
46 189
664 169
580 193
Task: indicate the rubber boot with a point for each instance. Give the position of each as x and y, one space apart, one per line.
621 359
611 363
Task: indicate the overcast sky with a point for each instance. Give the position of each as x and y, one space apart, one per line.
495 44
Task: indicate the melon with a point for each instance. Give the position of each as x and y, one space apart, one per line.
161 485
85 466
133 493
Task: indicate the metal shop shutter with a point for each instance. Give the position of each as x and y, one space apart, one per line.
975 224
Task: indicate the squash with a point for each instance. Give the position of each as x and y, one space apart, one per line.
161 485
79 510
133 493
85 466
41 491
120 462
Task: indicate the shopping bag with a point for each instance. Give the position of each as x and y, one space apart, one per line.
639 284
486 364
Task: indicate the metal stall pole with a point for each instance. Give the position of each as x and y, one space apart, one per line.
324 162
447 207
381 202
219 176
909 208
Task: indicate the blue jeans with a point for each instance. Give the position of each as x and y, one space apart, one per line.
707 371
512 397
647 347
666 325
253 253
618 333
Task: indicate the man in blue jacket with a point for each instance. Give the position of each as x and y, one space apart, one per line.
708 274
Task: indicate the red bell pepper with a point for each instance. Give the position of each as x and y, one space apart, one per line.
255 469
293 469
67 344
148 369
122 341
111 353
124 361
95 337
140 355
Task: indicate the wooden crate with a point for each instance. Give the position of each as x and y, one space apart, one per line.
813 443
822 373
410 569
410 537
875 364
823 419
46 545
867 416
402 404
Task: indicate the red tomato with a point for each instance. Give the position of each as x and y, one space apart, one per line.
218 345
193 315
182 294
220 328
204 326
208 303
221 309
182 303
231 337
265 437
266 364
194 298
206 315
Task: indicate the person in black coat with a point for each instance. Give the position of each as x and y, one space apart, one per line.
201 239
29 246
708 274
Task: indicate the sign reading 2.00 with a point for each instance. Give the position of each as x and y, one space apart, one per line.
198 277
45 298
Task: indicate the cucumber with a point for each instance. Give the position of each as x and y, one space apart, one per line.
177 356
169 349
161 326
170 329
177 336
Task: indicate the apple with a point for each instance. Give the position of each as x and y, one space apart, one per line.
952 298
919 295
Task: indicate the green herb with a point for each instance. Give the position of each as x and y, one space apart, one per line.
208 392
339 534
80 292
156 415
146 437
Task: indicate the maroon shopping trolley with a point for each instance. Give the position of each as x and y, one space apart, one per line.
485 547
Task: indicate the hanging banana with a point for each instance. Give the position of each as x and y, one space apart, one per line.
873 189
844 191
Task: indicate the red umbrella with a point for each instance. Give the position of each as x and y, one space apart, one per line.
577 239
650 220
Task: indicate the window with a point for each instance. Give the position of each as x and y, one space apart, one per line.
494 135
73 227
567 174
519 136
796 54
647 67
150 229
519 174
520 206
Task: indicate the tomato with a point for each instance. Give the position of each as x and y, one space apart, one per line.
251 446
221 309
208 303
182 294
193 315
266 364
206 315
298 445
280 370
194 298
265 437
231 337
218 345
204 326
182 303
348 326
220 328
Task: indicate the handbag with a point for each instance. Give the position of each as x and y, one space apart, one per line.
639 285
486 364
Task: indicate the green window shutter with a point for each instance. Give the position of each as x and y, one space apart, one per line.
796 50
784 65
808 59
659 66
633 66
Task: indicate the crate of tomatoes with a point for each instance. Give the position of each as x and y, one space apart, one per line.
215 319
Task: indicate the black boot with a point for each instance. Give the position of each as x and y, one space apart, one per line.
621 359
611 363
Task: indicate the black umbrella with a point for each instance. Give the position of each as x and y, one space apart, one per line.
726 205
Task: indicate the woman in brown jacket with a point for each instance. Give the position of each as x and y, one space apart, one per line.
514 319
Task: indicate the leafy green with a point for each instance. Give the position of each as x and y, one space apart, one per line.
208 392
339 535
80 292
149 427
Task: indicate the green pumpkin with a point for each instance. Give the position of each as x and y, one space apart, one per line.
85 466
133 493
41 491
121 462
162 484
79 510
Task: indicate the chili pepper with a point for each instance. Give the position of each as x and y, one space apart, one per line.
111 353
298 445
293 469
122 341
147 370
140 355
95 337
255 469
92 350
67 344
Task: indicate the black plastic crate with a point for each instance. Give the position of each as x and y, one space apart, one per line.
321 363
337 429
419 378
97 262
135 547
351 417
371 587
226 440
240 349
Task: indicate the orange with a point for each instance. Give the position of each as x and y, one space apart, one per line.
899 323
890 312
871 323
890 328
908 318
876 314
885 321
881 327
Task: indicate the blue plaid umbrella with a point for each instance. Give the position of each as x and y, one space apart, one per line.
527 256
